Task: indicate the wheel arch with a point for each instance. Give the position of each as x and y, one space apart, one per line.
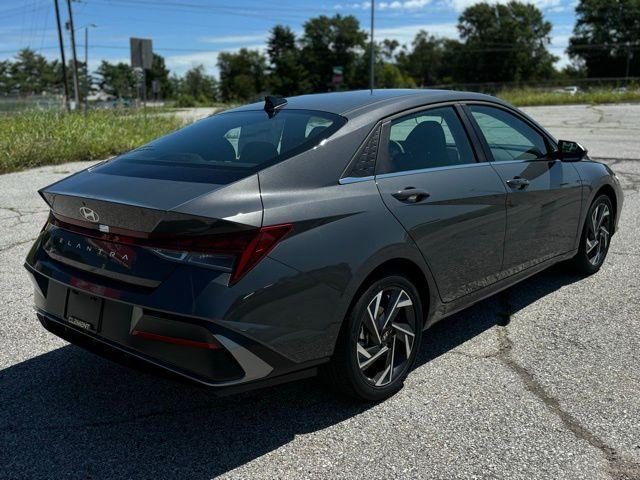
609 191
418 274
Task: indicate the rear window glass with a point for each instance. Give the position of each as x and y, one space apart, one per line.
226 147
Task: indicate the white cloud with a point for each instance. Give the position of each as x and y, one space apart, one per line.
558 46
234 38
403 5
406 33
386 5
352 6
181 63
458 5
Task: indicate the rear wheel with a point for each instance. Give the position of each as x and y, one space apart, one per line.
380 341
596 235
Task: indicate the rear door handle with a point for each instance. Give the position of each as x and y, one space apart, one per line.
411 195
518 183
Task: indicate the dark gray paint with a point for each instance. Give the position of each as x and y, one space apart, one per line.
289 309
543 218
460 230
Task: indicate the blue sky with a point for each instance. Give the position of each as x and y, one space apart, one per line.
192 32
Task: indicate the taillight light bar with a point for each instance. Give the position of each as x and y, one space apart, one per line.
236 252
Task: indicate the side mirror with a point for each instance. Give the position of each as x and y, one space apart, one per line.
570 151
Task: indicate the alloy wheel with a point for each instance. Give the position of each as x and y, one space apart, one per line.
387 336
597 238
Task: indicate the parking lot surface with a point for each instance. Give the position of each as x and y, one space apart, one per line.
541 381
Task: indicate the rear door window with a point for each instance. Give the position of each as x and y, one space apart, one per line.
428 139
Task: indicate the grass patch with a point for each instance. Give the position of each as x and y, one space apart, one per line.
530 97
35 138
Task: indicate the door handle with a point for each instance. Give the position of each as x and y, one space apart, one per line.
411 195
518 183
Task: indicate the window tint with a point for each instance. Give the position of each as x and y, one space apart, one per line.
226 147
428 139
509 138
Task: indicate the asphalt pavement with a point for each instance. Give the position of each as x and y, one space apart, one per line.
541 381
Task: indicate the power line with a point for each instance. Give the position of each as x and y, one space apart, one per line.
23 10
238 10
213 7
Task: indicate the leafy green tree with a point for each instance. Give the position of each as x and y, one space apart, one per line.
118 79
387 50
330 42
6 81
502 43
389 75
197 84
242 75
30 73
160 72
425 60
606 37
287 75
387 71
576 69
85 79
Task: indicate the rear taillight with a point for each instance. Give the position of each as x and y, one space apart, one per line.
46 224
260 246
236 253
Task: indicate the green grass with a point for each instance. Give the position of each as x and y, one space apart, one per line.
35 138
530 97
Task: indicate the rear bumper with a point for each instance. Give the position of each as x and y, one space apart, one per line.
208 353
132 359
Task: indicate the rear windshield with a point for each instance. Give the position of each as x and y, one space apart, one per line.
226 147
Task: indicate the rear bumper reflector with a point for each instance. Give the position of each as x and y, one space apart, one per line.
175 340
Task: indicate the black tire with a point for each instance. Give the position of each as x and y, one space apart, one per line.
585 261
346 371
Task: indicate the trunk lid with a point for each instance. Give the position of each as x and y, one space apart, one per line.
130 229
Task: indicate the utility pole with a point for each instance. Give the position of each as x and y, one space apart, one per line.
76 87
86 70
64 62
628 60
372 53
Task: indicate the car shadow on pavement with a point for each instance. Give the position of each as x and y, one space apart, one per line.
68 413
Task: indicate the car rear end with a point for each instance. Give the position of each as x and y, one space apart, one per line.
161 255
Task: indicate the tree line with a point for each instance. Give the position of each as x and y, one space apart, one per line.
498 43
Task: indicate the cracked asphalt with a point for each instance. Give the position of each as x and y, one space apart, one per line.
540 381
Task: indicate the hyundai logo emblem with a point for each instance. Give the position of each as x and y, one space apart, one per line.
89 214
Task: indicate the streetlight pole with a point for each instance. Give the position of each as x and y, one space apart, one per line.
86 66
371 53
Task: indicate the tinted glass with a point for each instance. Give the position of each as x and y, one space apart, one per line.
428 139
509 138
226 147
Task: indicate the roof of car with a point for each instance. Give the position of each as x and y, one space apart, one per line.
361 102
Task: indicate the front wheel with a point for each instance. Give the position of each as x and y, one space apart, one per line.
379 343
596 235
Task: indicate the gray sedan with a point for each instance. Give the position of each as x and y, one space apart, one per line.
316 234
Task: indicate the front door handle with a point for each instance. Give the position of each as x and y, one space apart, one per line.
518 183
411 195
